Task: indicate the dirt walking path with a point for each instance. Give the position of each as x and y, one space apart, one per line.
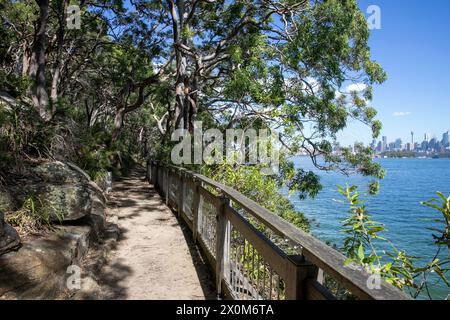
155 257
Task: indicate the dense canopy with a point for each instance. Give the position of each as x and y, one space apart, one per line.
98 82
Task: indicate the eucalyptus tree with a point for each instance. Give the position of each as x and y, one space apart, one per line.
302 68
48 53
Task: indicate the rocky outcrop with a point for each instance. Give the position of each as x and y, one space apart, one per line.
39 269
9 238
64 190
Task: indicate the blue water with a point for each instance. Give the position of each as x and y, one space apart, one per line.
407 183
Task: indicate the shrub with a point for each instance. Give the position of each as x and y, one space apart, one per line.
34 217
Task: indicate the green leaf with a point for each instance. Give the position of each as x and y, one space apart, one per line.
361 252
348 261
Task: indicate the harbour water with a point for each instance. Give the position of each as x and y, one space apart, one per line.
407 183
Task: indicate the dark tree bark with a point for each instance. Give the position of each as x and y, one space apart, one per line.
39 93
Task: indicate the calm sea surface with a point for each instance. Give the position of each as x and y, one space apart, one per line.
407 183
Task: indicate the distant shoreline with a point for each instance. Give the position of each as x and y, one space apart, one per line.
400 156
414 155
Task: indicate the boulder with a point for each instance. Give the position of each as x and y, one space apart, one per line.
57 172
39 270
9 238
65 191
97 218
60 202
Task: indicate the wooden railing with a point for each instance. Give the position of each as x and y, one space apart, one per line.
254 253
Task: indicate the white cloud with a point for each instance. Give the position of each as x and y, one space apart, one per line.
401 114
358 87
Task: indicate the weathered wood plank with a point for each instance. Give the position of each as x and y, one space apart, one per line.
315 291
209 197
330 260
298 272
220 243
317 252
266 248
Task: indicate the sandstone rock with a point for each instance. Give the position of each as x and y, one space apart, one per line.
59 202
97 217
57 172
39 269
65 191
9 238
7 202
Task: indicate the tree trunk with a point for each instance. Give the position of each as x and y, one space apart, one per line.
58 65
37 68
118 123
25 59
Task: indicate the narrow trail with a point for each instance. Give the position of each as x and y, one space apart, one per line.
155 257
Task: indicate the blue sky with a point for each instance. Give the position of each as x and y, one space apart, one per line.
413 46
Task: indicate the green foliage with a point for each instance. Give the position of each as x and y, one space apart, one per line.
442 204
305 183
260 188
396 267
14 84
22 133
34 217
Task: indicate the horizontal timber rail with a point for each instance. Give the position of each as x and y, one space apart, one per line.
255 254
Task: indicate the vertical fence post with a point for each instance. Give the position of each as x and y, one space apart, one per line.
298 272
167 185
150 173
153 177
180 192
156 180
227 251
195 208
161 180
221 231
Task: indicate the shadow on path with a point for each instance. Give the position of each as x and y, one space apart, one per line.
155 256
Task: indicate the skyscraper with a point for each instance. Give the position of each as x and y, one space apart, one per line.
384 144
432 144
445 139
398 144
379 147
408 146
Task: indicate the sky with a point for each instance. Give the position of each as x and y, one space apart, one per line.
413 46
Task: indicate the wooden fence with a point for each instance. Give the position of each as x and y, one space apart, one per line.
255 254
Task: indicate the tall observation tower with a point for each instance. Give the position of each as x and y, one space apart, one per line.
412 138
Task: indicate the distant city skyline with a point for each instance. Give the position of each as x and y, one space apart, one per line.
415 143
414 53
417 136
